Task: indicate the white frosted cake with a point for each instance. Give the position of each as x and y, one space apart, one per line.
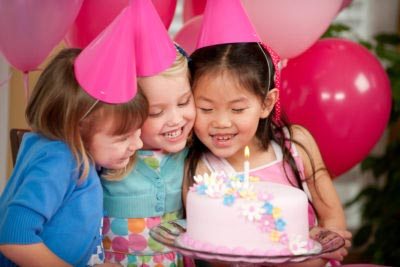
228 216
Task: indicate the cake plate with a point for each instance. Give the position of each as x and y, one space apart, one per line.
169 233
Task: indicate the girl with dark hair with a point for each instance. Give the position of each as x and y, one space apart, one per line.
234 87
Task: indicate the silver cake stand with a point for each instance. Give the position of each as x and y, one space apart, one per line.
169 233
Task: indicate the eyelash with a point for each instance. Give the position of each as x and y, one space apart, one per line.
208 110
184 103
154 115
238 110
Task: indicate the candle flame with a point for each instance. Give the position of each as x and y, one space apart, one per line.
246 152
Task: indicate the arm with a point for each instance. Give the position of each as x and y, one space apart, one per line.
324 197
35 195
36 255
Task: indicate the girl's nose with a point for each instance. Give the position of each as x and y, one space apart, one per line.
136 142
175 117
222 120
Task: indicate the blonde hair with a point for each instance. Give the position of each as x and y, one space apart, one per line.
58 110
179 66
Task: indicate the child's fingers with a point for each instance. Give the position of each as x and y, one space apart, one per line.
347 243
336 255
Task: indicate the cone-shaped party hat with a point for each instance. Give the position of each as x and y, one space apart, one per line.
106 68
224 22
155 51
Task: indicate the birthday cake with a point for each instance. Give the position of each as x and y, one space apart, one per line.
229 216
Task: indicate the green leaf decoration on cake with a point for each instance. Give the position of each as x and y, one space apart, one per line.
152 163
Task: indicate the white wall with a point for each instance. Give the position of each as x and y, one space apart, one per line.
4 136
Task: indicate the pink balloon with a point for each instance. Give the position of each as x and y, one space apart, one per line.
345 4
188 35
340 92
291 27
96 15
29 30
193 8
166 10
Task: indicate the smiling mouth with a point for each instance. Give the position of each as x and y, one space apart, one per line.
173 134
222 137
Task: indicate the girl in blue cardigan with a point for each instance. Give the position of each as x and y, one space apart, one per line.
52 207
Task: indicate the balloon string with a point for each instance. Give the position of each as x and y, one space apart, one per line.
26 86
2 83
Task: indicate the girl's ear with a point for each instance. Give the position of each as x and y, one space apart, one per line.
269 102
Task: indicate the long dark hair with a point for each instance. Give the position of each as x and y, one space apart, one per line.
254 69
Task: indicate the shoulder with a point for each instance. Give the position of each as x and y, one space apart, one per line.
302 136
201 168
308 149
36 148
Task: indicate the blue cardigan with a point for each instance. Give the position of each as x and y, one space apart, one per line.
44 202
146 192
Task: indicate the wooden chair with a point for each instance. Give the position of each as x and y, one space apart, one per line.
15 141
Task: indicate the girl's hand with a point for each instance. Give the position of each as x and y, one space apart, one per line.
330 240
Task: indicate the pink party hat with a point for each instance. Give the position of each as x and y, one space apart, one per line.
224 22
155 51
106 67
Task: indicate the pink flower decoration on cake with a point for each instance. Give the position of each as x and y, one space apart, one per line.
264 196
267 223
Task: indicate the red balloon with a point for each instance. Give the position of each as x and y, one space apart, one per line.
29 30
193 8
189 34
96 15
340 92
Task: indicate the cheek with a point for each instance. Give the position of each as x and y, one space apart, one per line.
190 116
199 122
200 128
149 127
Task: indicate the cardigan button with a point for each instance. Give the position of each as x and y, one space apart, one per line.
159 208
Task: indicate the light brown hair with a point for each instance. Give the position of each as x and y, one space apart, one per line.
58 106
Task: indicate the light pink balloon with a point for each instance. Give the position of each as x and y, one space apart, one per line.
340 92
96 15
345 4
188 35
291 27
29 30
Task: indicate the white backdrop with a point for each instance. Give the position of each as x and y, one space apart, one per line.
4 75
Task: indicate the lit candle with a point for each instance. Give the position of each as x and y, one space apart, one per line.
246 167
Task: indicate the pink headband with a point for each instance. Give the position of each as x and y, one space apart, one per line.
277 80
